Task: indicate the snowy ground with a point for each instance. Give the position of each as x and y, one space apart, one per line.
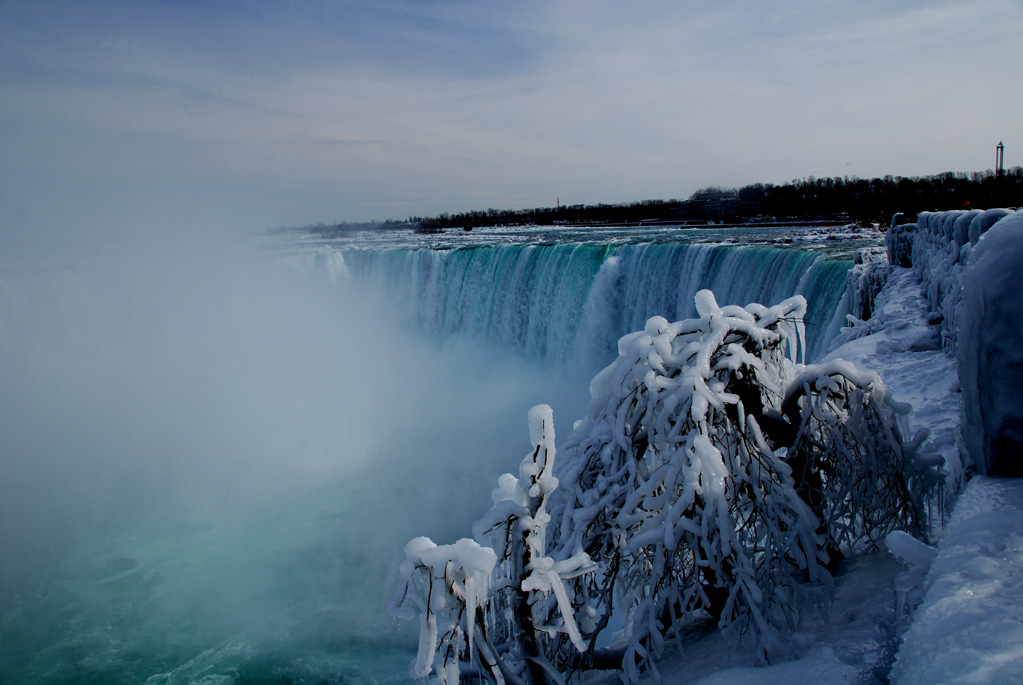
896 346
858 644
969 628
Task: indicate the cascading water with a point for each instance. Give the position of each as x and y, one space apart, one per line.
571 303
209 466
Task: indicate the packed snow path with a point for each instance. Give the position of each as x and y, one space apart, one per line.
899 344
969 628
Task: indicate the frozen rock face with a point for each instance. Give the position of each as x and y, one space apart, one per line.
990 350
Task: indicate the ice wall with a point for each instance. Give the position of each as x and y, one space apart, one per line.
970 263
990 350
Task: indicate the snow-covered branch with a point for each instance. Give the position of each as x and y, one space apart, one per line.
712 476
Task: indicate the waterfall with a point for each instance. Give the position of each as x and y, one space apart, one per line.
210 459
570 303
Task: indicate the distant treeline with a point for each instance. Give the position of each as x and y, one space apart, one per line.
847 199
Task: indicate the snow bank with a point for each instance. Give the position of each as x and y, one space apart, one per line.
970 625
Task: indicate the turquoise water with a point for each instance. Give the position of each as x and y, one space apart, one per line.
209 463
570 303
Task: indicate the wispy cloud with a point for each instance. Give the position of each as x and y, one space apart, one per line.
295 110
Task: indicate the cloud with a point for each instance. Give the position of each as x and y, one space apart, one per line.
314 110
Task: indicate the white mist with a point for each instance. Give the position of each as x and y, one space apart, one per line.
208 457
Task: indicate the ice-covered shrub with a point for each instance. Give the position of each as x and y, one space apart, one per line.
711 477
484 609
532 591
871 479
672 486
448 586
675 482
898 241
863 282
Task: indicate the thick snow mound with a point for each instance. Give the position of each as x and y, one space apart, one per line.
990 351
969 628
982 222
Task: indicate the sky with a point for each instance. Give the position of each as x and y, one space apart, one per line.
134 115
